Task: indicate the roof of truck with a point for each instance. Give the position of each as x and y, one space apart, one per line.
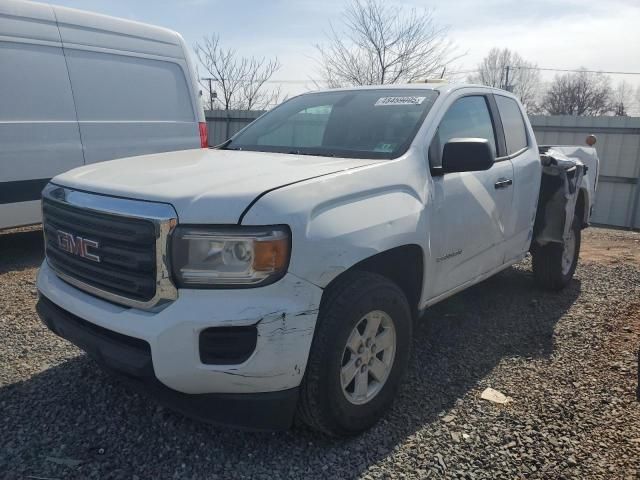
439 86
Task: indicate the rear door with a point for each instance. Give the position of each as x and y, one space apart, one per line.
130 86
525 159
469 209
39 135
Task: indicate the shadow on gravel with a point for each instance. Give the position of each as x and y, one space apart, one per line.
21 250
74 410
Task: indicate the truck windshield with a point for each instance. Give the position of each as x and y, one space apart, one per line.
378 123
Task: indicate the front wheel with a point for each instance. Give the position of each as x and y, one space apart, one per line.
554 264
359 353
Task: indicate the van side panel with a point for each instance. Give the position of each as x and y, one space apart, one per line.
38 128
130 105
34 21
131 84
78 27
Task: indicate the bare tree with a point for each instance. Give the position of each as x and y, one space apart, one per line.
239 82
623 101
580 93
505 69
254 93
378 44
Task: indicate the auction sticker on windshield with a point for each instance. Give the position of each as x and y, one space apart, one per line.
399 101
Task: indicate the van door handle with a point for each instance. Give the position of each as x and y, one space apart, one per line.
503 183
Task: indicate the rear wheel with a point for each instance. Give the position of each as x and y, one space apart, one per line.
554 264
360 351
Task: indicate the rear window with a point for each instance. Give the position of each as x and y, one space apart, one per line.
515 130
111 87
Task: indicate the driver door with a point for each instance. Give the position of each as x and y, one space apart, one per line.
469 209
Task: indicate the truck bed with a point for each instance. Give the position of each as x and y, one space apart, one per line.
567 171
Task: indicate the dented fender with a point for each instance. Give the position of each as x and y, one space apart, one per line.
338 220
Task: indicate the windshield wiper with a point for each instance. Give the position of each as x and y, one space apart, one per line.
323 154
225 146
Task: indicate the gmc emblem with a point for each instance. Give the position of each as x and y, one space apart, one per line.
76 245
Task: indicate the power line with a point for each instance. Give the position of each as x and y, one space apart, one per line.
577 70
311 80
457 72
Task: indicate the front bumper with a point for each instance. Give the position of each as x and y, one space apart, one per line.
284 314
132 358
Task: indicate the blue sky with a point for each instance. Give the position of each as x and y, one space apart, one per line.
596 34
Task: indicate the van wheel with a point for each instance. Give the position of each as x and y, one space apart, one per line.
555 263
359 353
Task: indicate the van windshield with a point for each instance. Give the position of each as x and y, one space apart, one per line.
378 123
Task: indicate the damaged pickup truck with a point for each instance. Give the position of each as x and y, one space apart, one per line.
279 275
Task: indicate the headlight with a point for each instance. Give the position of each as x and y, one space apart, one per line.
229 256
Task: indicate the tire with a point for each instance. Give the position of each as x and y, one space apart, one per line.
358 298
554 264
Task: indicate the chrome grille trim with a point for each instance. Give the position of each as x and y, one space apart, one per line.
163 217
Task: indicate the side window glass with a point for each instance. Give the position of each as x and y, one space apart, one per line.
513 124
468 117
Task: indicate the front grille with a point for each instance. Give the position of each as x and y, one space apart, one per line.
126 249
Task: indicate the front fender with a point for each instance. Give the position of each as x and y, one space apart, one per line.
340 220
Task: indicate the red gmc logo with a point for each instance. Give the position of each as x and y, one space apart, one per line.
76 245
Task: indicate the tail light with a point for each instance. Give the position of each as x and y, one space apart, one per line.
204 135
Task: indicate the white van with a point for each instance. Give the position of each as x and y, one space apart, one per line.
77 88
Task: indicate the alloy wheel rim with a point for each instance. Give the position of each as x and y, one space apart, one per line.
368 357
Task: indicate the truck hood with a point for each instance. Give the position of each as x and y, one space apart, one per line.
204 185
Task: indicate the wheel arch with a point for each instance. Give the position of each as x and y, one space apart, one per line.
403 265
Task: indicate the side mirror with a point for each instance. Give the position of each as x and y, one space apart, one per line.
467 155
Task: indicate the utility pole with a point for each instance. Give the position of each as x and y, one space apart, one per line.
212 94
507 87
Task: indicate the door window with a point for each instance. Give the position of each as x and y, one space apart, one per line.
468 117
513 124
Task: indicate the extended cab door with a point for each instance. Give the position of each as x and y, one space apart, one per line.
469 209
522 152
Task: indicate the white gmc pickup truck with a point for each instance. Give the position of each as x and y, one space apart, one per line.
278 275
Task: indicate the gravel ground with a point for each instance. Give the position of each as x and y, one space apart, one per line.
567 360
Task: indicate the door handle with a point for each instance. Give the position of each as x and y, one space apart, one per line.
503 183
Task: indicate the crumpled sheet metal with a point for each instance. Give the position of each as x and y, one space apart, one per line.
561 180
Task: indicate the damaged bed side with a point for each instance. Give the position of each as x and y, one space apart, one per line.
565 203
561 181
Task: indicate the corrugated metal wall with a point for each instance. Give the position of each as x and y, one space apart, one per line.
223 124
618 146
618 199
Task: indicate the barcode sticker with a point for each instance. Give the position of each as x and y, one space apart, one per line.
399 101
